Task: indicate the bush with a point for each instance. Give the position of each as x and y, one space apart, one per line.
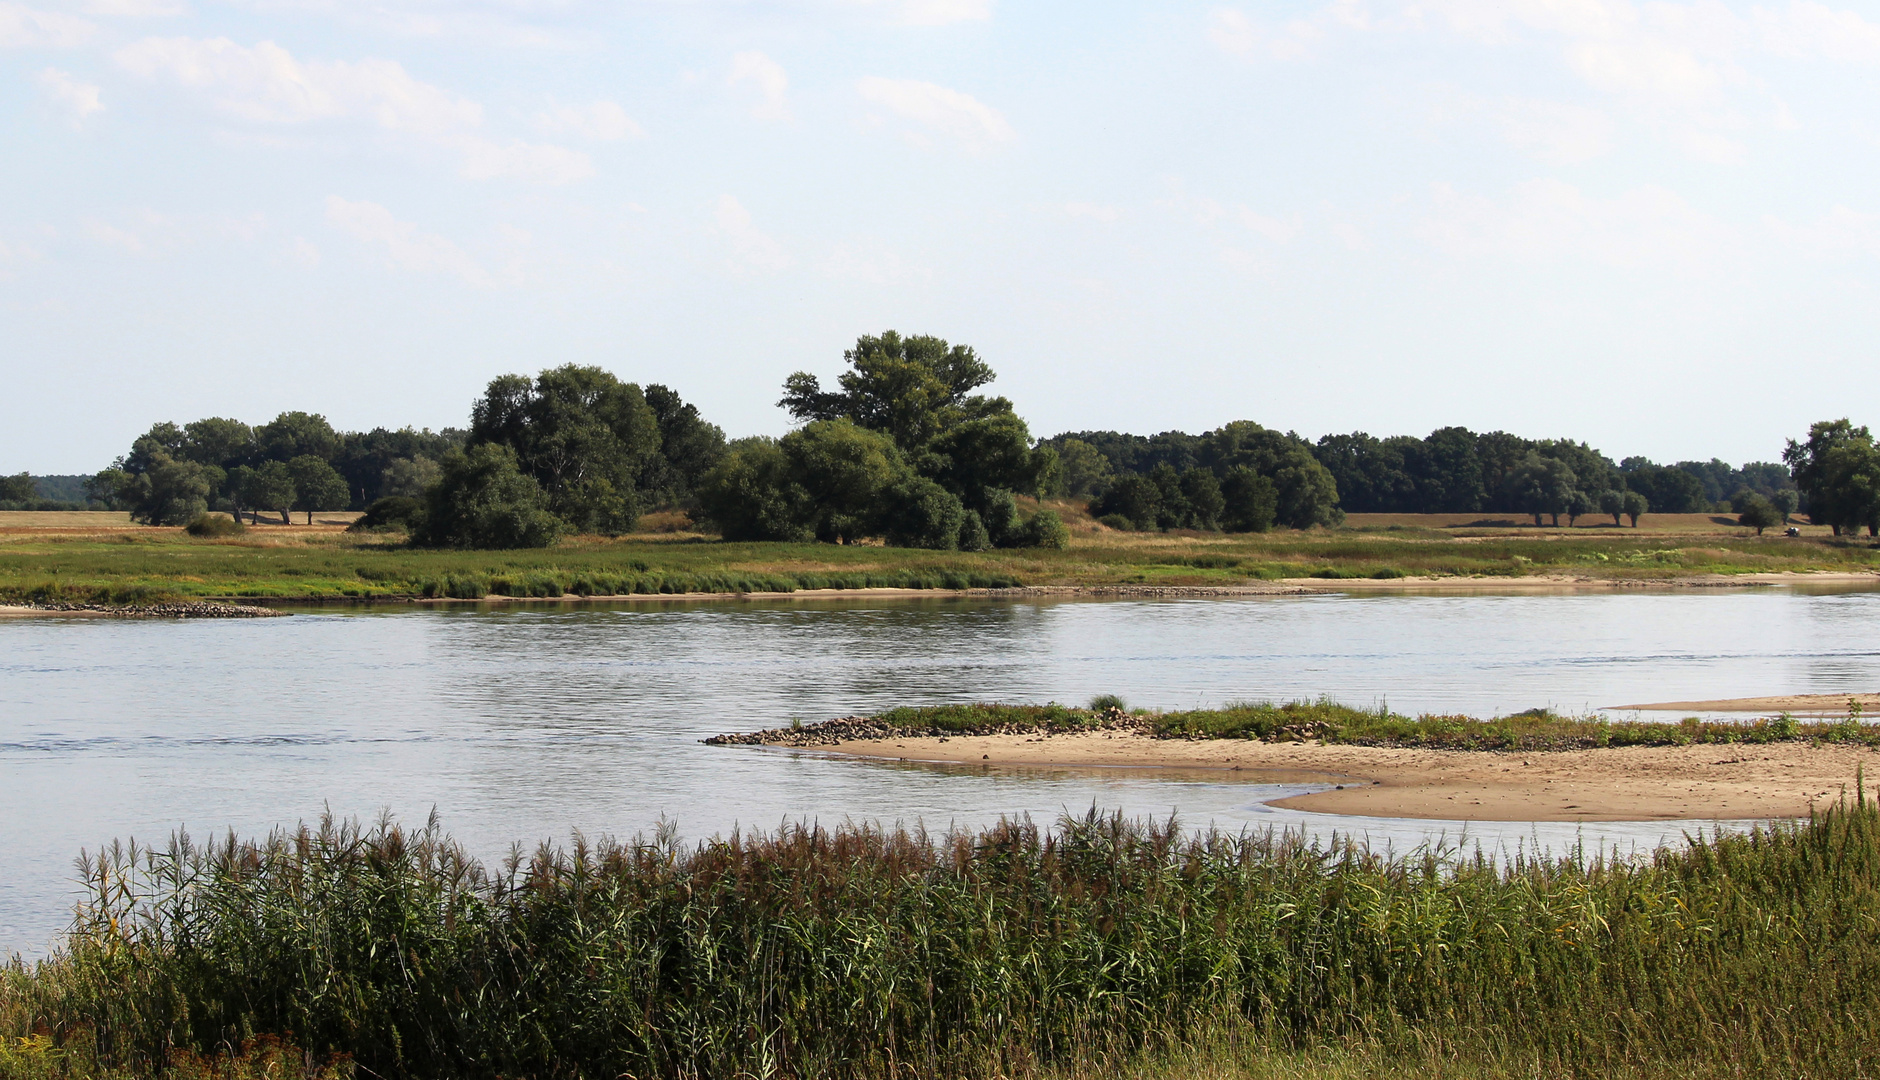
1135 498
1117 522
918 513
391 512
1044 530
483 500
214 525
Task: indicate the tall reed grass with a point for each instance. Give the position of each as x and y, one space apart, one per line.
864 952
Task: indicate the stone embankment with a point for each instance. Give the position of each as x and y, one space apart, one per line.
166 609
854 728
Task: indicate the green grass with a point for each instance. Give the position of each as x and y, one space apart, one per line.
1099 947
1330 722
167 562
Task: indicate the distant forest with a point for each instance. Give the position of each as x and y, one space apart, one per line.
901 449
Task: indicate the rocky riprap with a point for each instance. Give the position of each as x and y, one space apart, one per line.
852 728
169 609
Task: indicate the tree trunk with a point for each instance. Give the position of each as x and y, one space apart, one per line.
309 517
285 520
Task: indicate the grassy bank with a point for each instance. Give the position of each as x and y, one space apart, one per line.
290 563
1325 721
1097 948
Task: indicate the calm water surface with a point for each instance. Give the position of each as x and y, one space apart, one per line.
520 724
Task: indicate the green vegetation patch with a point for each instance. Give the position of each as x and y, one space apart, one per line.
1016 951
1328 721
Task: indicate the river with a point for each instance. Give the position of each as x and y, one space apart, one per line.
524 723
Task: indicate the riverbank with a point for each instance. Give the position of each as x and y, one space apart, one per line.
175 609
324 562
1533 767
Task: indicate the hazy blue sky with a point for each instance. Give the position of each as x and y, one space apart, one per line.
1655 226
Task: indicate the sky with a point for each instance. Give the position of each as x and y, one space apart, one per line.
1651 226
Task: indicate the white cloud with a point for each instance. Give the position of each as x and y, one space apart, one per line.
303 253
405 247
950 113
267 84
601 121
1208 212
1555 132
1647 227
1840 233
944 12
751 248
1093 211
75 99
112 236
1234 32
22 27
768 77
871 261
136 9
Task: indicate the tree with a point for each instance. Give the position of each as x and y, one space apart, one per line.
1305 492
1785 500
916 512
913 389
584 436
168 491
1249 501
1758 513
293 434
1541 485
688 448
317 485
1848 488
1612 502
1132 496
18 489
267 486
484 500
1202 492
1579 502
1635 505
1808 463
749 494
219 441
408 477
843 469
1082 470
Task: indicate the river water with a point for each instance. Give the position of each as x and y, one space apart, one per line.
521 723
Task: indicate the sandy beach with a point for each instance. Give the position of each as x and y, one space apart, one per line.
1695 783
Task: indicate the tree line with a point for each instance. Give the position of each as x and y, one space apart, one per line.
904 449
1157 481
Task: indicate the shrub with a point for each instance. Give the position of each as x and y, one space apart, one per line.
918 513
1045 530
973 533
391 512
210 526
1117 522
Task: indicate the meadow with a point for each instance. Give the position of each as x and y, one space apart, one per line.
125 564
1097 947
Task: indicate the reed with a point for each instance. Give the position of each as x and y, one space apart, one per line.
1100 946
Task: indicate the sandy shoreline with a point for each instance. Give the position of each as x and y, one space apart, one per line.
1695 783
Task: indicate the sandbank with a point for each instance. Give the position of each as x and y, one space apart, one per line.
1695 783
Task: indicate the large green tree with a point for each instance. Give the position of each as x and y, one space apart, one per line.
1826 466
484 499
584 436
